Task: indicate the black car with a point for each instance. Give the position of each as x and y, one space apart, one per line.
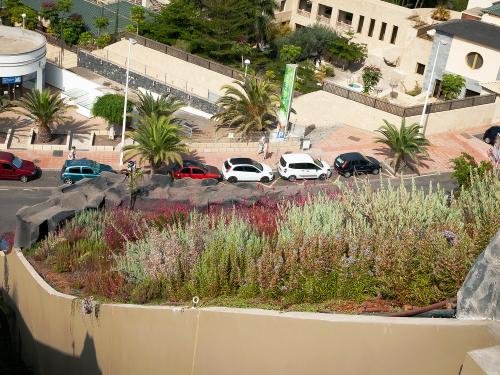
355 163
491 134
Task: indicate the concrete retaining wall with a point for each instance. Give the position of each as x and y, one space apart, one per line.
56 337
324 109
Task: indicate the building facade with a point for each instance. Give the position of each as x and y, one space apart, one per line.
22 60
469 48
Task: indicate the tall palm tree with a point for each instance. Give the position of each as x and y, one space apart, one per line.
44 108
406 144
157 141
264 16
162 105
249 106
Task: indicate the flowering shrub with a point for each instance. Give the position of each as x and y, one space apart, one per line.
402 244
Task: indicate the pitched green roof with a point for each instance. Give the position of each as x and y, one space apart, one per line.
494 9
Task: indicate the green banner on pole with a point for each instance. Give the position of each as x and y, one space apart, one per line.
286 95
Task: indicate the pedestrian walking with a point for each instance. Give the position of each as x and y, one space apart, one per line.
266 146
260 149
72 153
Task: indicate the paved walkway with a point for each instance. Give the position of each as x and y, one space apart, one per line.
341 139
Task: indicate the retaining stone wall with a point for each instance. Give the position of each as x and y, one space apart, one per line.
117 73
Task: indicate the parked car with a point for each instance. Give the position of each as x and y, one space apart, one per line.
187 163
355 163
75 170
491 134
198 173
13 168
302 166
246 169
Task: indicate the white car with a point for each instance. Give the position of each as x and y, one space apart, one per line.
294 166
246 169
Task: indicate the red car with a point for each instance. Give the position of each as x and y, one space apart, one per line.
198 173
13 168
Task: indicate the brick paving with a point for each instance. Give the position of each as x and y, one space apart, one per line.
443 147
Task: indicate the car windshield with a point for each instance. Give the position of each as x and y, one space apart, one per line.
257 165
95 165
340 160
318 162
17 162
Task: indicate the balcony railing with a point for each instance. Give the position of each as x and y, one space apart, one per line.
323 19
304 13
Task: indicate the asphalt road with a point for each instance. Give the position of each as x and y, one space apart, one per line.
15 194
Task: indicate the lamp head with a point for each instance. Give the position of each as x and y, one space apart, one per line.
23 15
247 62
132 41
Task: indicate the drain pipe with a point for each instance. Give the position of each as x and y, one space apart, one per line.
422 310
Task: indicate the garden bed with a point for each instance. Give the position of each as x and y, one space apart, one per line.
103 140
355 251
57 140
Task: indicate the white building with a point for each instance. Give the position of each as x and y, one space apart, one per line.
22 60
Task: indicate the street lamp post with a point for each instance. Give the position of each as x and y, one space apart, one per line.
130 43
24 20
440 43
247 62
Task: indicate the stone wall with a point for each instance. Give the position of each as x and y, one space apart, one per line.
117 73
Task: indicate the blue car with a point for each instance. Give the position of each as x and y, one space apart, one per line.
75 170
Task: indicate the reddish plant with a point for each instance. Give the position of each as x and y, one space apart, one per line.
122 225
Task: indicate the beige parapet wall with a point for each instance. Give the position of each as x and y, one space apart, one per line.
56 337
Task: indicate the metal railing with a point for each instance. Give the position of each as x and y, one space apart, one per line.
401 111
183 55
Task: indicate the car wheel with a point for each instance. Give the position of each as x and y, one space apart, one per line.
347 174
68 181
376 171
487 140
264 180
232 180
322 176
292 178
23 179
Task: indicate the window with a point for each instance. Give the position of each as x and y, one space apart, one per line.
394 34
420 69
436 93
360 24
474 60
251 169
382 31
74 170
6 166
87 170
305 5
469 93
311 166
345 17
197 171
372 26
185 170
239 169
282 162
282 5
295 166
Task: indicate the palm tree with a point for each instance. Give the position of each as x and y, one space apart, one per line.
263 18
157 141
44 108
406 144
162 105
249 106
